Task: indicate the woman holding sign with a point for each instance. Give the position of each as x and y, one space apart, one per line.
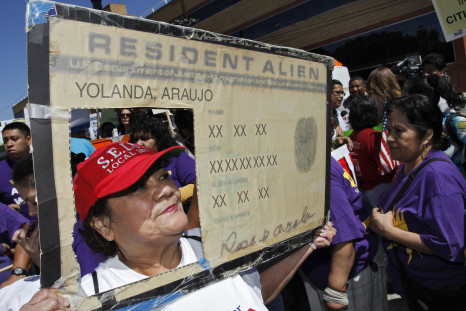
132 212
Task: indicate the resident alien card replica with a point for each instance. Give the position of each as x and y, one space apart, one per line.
260 126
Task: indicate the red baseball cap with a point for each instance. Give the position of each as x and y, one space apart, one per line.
113 168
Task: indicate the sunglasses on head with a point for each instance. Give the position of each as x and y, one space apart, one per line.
124 115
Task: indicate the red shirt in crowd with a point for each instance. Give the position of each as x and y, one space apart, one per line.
365 154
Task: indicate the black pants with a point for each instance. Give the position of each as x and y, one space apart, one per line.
422 299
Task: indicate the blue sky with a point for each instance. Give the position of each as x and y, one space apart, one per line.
13 72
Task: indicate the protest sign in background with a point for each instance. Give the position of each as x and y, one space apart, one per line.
452 17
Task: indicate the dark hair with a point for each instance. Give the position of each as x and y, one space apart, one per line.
23 173
20 126
444 88
76 158
420 85
434 59
364 113
421 114
93 238
336 82
101 208
184 119
121 127
434 87
155 127
356 78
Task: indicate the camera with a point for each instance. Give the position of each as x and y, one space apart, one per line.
410 66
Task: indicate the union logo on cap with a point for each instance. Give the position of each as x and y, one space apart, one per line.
119 154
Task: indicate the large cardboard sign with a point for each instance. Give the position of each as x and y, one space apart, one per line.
452 17
261 136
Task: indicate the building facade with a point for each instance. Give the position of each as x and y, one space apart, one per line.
361 34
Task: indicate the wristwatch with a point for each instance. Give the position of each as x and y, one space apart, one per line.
19 271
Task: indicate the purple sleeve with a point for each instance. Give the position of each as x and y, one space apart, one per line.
341 212
10 220
185 169
446 236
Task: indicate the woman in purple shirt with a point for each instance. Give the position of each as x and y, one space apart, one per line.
423 229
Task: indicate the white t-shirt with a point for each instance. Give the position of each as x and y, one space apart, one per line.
14 296
227 294
113 273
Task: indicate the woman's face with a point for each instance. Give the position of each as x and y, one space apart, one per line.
403 139
150 214
145 140
125 116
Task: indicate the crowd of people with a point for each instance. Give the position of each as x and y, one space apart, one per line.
397 222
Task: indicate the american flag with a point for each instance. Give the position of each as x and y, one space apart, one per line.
387 164
52 11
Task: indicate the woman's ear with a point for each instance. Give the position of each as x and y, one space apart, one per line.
428 137
103 226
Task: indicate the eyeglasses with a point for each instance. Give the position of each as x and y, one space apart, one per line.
124 115
338 93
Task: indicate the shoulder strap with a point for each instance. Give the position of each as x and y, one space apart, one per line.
451 130
96 282
410 180
196 244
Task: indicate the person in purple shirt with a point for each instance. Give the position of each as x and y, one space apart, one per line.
151 132
23 176
10 221
17 140
424 230
346 273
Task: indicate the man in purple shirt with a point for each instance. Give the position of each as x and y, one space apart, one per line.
346 274
23 176
17 140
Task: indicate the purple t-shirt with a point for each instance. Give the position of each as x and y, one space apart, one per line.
10 221
8 193
347 215
182 169
434 207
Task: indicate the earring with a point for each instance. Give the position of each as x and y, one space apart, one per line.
425 152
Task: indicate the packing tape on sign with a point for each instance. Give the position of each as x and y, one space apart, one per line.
204 263
38 11
46 112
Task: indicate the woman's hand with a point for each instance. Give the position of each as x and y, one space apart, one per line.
382 224
29 243
341 140
46 300
326 236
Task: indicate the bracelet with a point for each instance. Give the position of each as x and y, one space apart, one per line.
335 296
312 245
